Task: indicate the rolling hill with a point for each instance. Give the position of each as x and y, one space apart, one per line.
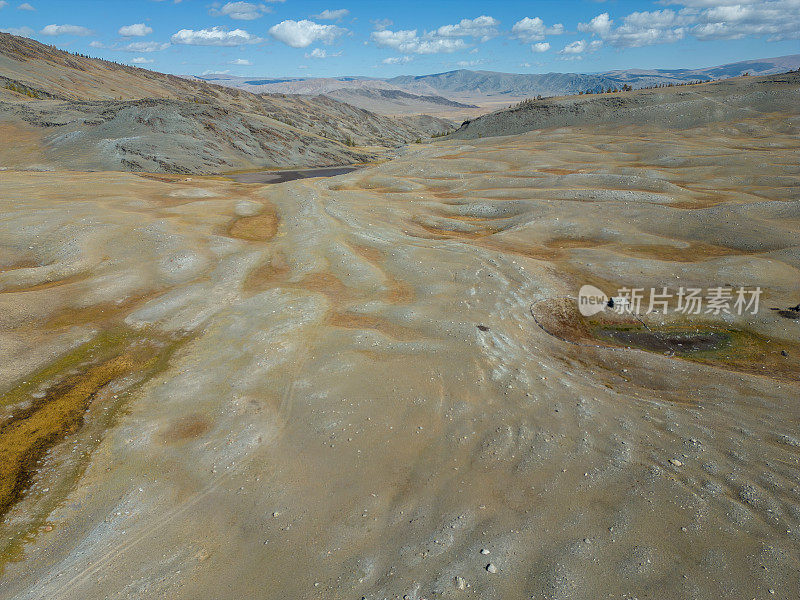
677 107
82 113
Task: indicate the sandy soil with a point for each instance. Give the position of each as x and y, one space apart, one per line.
346 394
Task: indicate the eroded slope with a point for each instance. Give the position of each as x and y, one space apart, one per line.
82 113
357 397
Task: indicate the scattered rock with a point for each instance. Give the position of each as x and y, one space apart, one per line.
483 328
460 582
491 568
675 462
484 551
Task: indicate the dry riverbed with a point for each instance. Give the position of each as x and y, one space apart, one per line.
378 385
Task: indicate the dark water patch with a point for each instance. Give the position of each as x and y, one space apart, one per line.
289 175
702 342
673 342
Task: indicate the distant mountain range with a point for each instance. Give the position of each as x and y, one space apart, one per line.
470 87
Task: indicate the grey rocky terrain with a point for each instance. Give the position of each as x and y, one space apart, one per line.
114 117
677 108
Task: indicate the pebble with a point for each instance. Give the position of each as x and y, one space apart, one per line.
491 568
675 462
461 583
484 551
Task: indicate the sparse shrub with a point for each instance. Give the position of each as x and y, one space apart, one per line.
20 89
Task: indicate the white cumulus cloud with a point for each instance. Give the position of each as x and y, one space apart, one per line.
775 20
216 36
135 30
408 42
638 29
704 19
445 39
144 47
600 25
301 34
581 46
533 29
65 30
141 60
483 28
241 62
540 47
25 6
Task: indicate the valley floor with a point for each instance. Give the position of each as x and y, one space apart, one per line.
377 384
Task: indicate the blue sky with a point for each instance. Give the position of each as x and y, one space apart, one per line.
383 38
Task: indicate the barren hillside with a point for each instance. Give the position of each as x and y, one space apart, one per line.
674 108
83 113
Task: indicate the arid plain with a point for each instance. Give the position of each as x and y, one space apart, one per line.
378 385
